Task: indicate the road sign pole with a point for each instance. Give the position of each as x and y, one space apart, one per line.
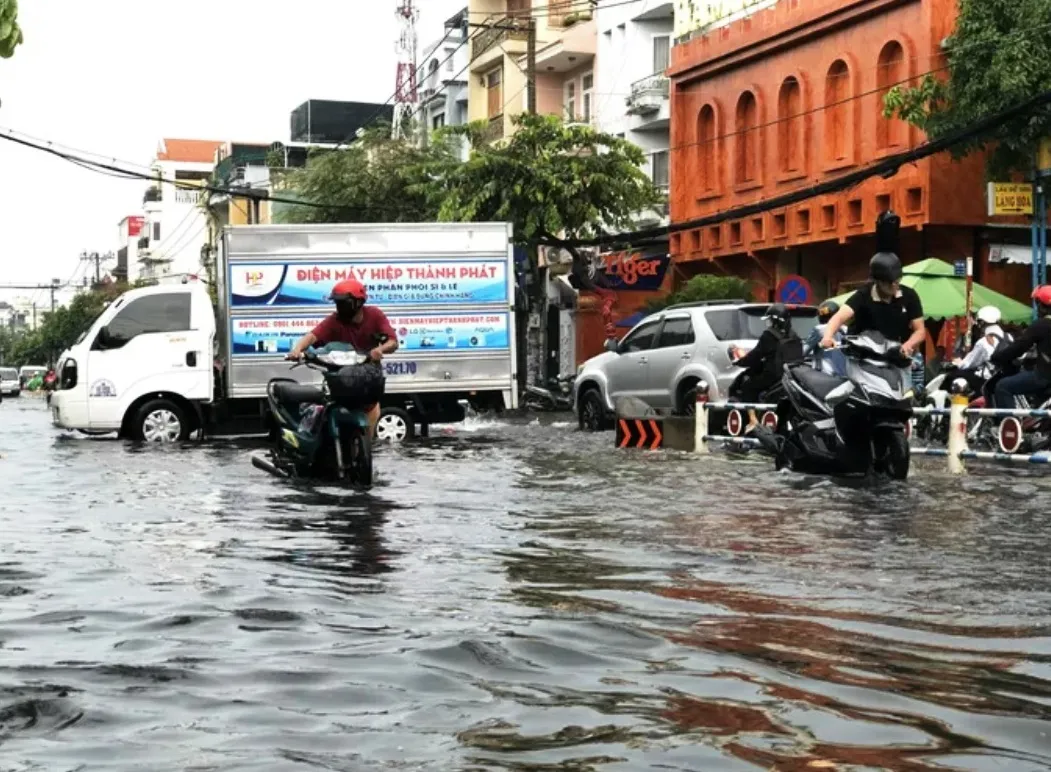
1034 268
1041 212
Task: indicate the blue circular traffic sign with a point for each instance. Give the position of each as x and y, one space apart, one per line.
794 290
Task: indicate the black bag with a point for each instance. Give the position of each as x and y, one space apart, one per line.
357 386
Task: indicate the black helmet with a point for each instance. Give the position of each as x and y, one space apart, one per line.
827 310
778 314
885 266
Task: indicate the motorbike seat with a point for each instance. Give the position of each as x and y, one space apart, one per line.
816 382
290 393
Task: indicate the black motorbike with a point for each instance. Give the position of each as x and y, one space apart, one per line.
558 395
847 426
321 432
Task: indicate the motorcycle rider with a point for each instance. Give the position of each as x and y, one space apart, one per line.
366 328
976 367
882 305
1037 335
831 362
777 346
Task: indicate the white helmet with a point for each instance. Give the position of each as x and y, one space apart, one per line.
989 315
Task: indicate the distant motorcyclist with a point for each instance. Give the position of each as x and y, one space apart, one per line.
1038 335
831 362
882 305
976 367
777 346
366 328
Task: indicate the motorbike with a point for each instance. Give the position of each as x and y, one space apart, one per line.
321 432
1035 433
847 426
559 395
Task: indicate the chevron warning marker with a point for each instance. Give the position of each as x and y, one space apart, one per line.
645 433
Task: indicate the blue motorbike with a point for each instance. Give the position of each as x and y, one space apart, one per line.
322 432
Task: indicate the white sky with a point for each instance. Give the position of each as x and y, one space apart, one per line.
114 76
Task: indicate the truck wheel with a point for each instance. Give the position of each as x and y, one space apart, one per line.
395 425
160 420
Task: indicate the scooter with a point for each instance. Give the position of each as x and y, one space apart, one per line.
847 426
322 432
558 397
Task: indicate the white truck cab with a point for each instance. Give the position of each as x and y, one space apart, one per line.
142 367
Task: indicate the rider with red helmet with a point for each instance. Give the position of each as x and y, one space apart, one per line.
366 328
1038 334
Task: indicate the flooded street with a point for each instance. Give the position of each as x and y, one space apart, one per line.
513 596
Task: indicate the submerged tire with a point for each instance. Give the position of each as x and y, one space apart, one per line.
591 413
893 455
161 421
361 466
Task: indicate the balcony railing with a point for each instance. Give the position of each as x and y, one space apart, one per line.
504 28
185 196
153 193
566 13
648 95
495 130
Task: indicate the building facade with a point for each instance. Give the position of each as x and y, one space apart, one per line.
565 61
175 224
442 90
791 96
129 232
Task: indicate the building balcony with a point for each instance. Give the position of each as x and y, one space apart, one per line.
152 194
504 30
187 196
566 13
573 49
648 95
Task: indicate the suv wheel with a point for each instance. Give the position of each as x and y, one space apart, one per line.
591 413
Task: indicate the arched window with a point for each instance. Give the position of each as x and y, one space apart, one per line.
746 139
839 134
790 125
706 139
890 71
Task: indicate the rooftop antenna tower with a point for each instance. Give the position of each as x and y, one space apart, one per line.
405 88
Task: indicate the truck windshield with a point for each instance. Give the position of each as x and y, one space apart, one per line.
8 374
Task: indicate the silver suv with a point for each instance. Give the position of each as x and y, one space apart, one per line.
668 353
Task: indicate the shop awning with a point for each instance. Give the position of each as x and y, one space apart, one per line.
1012 254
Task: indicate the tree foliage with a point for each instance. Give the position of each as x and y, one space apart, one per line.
704 287
58 330
377 179
999 56
10 33
549 179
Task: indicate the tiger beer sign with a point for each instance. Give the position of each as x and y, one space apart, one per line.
635 270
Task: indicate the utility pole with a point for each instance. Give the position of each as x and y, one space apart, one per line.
531 68
54 288
98 260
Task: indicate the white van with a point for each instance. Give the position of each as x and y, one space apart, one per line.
9 383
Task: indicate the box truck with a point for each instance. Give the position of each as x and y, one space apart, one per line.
162 362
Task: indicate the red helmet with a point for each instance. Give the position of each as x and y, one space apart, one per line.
1042 295
349 289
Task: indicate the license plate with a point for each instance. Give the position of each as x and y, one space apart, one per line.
399 368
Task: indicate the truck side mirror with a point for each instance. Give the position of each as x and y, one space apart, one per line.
612 344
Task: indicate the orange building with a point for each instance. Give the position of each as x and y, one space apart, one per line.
791 96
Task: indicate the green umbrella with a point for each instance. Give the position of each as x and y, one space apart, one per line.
944 295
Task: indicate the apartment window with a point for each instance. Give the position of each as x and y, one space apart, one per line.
587 95
660 170
838 112
519 8
790 126
438 121
661 53
706 168
570 101
493 84
156 231
449 59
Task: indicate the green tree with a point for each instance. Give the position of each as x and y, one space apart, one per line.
550 179
10 33
377 179
704 287
998 57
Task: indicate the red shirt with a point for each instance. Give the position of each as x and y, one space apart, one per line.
364 336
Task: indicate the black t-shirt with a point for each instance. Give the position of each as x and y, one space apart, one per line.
771 352
893 320
1038 334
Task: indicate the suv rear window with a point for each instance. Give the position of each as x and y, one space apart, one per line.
747 323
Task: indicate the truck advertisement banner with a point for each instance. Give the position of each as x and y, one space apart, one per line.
390 283
267 336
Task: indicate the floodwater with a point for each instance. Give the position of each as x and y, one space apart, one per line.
513 596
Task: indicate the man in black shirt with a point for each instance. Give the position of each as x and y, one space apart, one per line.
883 305
777 346
1038 334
